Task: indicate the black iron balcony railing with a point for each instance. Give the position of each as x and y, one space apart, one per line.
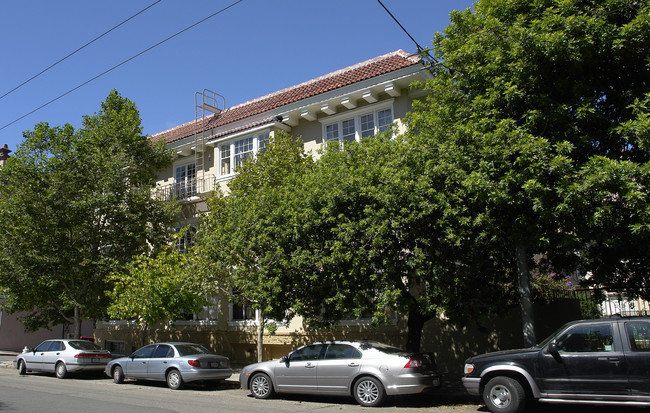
186 189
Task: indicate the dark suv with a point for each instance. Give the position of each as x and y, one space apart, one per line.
604 361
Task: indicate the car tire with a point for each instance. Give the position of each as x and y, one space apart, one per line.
369 392
504 395
174 379
22 367
60 370
118 375
261 386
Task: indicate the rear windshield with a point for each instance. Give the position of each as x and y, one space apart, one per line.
84 345
190 349
385 348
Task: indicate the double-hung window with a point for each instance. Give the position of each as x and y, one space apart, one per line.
232 154
241 311
243 150
358 125
187 239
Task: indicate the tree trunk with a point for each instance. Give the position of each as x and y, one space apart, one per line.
77 323
525 300
415 325
260 337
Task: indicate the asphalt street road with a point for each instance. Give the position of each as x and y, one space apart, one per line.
98 394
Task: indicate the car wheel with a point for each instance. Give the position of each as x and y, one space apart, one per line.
22 368
368 391
261 386
118 375
174 380
504 395
60 370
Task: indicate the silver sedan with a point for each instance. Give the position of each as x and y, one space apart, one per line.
61 356
367 370
175 363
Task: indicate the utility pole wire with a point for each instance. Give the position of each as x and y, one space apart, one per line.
82 47
120 64
421 50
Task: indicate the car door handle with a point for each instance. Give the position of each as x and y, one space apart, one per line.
309 366
353 364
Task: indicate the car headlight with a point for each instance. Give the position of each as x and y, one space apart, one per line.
469 368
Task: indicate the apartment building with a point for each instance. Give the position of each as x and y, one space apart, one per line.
348 104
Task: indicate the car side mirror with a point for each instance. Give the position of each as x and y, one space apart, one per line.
285 359
552 349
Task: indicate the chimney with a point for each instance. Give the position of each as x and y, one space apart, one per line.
4 154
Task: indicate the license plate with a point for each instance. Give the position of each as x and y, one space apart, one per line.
214 365
94 360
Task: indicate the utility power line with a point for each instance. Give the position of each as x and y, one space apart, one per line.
79 49
120 64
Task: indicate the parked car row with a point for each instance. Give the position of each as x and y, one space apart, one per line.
369 371
605 361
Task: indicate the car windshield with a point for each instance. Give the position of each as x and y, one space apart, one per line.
552 336
84 345
189 349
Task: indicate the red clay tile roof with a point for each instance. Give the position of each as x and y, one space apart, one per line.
352 74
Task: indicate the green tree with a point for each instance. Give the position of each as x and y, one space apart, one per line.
352 234
372 238
153 289
537 115
76 206
244 242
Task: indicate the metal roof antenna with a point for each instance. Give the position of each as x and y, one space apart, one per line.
205 103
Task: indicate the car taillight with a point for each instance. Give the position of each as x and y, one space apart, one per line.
413 364
92 355
194 363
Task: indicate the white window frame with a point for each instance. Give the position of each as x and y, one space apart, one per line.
260 142
334 127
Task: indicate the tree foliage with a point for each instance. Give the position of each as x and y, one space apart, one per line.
244 243
76 206
530 149
538 116
153 289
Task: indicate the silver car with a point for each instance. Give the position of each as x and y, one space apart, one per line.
63 356
175 363
367 370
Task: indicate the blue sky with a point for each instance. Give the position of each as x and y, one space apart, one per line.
254 48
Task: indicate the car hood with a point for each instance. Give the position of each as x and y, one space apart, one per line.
497 354
260 365
120 359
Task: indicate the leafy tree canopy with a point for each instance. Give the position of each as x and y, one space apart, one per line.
155 289
77 205
535 128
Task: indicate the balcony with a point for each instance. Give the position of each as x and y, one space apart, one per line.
187 189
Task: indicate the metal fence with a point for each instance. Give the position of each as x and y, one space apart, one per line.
602 303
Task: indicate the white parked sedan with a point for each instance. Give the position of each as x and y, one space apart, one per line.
175 363
62 356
